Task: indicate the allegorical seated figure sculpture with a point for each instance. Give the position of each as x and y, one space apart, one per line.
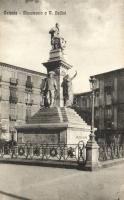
67 90
49 90
57 41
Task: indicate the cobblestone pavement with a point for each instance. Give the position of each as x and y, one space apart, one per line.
45 183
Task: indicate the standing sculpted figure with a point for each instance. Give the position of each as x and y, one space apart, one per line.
67 90
49 90
57 42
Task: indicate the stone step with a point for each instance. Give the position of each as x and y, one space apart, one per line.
71 116
45 118
57 115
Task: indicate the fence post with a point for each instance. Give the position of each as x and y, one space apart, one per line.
92 155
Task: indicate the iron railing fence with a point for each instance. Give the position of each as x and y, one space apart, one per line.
110 152
63 152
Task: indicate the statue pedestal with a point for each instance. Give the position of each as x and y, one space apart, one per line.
56 124
59 66
56 54
53 126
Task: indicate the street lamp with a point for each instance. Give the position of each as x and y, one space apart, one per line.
93 87
92 148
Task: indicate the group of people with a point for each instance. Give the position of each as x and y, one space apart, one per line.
50 92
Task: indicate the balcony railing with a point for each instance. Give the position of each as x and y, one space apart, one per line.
108 118
29 102
12 117
29 86
13 99
13 81
108 86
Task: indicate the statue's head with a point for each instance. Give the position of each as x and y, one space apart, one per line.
51 73
67 76
57 25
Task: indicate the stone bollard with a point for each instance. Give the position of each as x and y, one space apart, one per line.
92 154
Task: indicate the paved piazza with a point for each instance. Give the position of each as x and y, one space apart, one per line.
45 183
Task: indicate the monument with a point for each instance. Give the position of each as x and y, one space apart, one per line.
56 122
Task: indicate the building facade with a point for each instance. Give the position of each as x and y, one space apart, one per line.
20 97
109 105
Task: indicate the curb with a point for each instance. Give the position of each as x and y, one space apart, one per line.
55 164
61 164
110 163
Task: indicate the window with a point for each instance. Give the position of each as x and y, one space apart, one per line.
108 93
28 99
97 113
108 112
88 102
108 97
83 102
0 93
108 117
13 97
96 99
28 113
29 84
12 115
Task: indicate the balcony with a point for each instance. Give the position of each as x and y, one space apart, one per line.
108 124
29 102
108 88
27 89
13 81
13 99
108 117
28 85
12 117
3 128
97 90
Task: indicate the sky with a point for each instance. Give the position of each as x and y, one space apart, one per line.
93 29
